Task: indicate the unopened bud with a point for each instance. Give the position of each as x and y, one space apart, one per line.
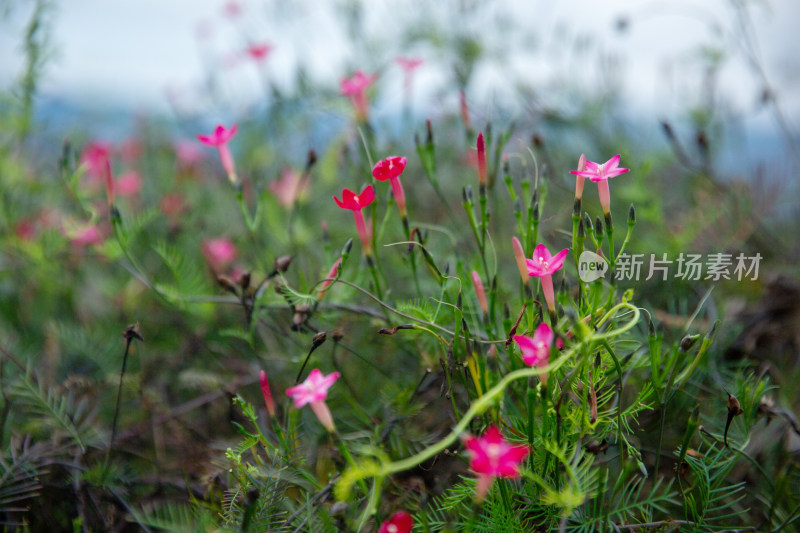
688 341
631 215
282 263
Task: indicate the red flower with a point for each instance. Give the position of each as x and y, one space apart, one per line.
267 393
491 456
481 145
399 522
390 169
220 139
356 203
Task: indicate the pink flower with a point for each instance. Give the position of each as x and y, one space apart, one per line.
493 456
356 88
188 154
601 174
259 52
356 203
288 188
95 155
481 294
481 145
220 139
232 9
313 391
86 235
536 351
543 266
219 253
519 255
129 184
130 150
399 522
267 393
390 169
409 64
172 205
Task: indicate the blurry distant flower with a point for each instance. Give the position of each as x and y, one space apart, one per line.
543 266
267 393
220 139
129 183
219 253
409 64
289 187
356 203
130 150
172 205
85 235
232 9
535 351
25 230
95 155
464 109
356 88
189 155
259 52
492 456
390 169
601 174
399 522
313 391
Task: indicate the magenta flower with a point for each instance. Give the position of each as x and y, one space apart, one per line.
219 253
313 391
95 155
543 266
399 522
267 393
409 65
220 139
356 88
129 184
480 292
535 351
601 174
493 456
259 52
356 203
390 169
85 235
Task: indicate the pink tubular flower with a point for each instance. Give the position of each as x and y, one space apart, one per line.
356 203
579 178
601 174
356 88
259 52
331 274
313 391
399 522
493 456
543 266
481 159
535 351
478 284
220 139
219 253
267 393
519 255
390 169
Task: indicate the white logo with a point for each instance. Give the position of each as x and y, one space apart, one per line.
591 266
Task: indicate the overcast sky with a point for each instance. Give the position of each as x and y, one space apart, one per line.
135 52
